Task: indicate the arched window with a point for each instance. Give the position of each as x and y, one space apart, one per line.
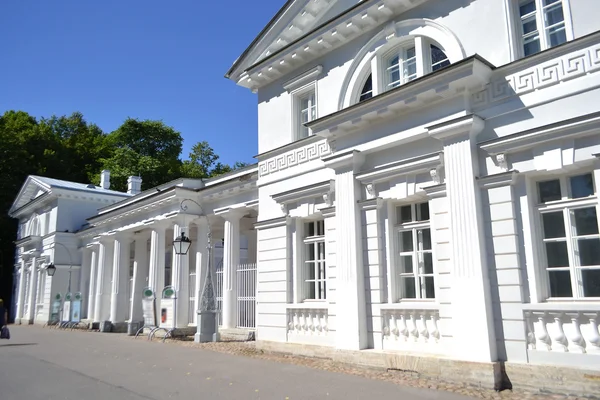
367 89
439 59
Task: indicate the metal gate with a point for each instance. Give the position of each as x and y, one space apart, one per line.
246 301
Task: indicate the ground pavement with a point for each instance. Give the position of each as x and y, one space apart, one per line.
42 363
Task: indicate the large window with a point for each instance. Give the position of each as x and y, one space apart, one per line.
542 25
314 261
414 258
568 209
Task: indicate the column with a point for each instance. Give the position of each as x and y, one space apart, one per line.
231 260
350 279
472 318
119 301
32 291
180 277
103 287
201 260
156 276
140 275
84 276
92 287
21 298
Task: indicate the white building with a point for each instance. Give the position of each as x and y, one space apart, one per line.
427 186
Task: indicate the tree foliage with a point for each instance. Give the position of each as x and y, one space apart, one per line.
70 148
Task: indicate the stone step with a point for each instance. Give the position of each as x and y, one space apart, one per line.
236 335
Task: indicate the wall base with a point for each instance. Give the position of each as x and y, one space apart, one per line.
494 375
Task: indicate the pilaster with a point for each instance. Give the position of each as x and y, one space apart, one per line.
350 277
104 275
140 275
84 277
91 306
120 279
156 275
231 260
31 301
180 277
472 317
21 299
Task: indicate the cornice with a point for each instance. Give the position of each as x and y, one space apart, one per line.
272 223
412 165
436 191
471 125
315 190
344 159
372 204
497 180
303 79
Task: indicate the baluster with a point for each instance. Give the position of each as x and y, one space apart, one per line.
594 338
311 320
290 321
560 337
297 321
577 338
304 321
386 324
424 332
326 322
415 331
404 329
318 324
435 333
530 331
543 336
394 326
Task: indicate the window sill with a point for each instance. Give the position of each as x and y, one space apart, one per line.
412 305
567 306
310 305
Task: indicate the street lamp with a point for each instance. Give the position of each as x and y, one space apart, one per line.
206 327
51 270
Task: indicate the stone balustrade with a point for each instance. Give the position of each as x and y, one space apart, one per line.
308 321
563 330
410 325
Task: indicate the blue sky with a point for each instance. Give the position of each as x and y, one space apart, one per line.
146 59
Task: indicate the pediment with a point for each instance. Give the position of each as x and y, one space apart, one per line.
31 190
295 19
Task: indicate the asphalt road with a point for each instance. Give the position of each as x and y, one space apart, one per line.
47 364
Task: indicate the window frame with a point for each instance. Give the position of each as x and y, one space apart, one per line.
541 27
414 226
298 96
566 204
320 292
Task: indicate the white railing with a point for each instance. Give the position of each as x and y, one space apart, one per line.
308 321
563 330
246 299
414 329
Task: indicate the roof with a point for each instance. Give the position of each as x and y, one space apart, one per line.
57 183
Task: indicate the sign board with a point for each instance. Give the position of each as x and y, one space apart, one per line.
167 308
149 307
66 315
76 308
55 313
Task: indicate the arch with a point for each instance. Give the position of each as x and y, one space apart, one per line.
391 35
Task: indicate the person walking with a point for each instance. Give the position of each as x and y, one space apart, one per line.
4 332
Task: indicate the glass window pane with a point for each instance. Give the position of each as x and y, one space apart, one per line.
529 25
554 15
426 239
321 270
410 69
428 263
586 221
549 191
527 7
320 228
589 252
394 61
405 214
410 53
560 284
591 282
407 264
311 290
367 90
557 254
408 288
406 241
310 254
582 186
532 46
322 290
548 2
321 249
554 225
423 212
557 35
310 229
429 287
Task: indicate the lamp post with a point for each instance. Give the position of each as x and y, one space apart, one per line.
206 327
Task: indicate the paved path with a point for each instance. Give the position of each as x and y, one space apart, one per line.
48 364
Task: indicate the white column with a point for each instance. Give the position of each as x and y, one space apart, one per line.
472 318
140 275
201 260
120 279
21 298
92 288
84 276
103 281
350 279
180 277
32 290
231 260
156 276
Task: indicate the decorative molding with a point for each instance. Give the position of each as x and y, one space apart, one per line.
303 79
272 223
315 190
328 212
469 124
408 166
371 204
501 161
497 180
436 191
569 66
371 192
295 157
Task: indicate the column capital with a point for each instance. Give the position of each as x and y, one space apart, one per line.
145 234
344 160
232 214
469 124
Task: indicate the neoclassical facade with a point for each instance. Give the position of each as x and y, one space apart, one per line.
428 178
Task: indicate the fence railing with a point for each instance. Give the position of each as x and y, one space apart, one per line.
246 301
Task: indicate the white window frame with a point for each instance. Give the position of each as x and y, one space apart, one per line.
320 261
418 274
299 131
566 204
541 26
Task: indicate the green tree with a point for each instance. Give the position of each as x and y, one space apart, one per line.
146 148
204 163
